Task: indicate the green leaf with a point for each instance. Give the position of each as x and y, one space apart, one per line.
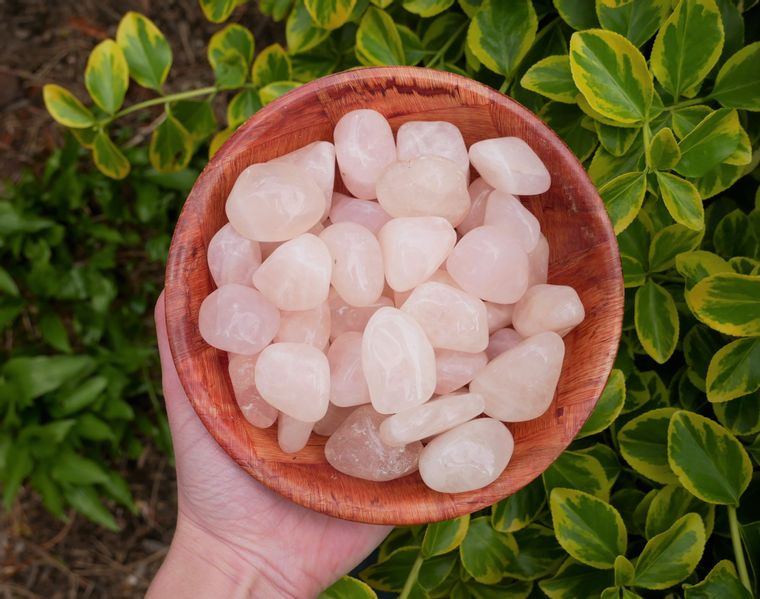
616 140
733 235
551 77
682 200
734 370
575 580
330 14
108 158
300 32
218 11
500 34
623 571
687 46
671 503
271 64
589 529
611 74
65 108
272 91
84 499
442 537
638 20
39 375
663 152
243 105
579 15
707 459
520 509
623 197
19 465
740 416
414 51
348 588
7 284
147 52
656 321
608 407
671 556
435 571
70 467
604 166
573 470
713 140
485 552
695 266
427 8
445 38
230 52
54 332
218 140
685 119
565 121
50 492
539 554
743 153
106 76
720 583
744 265
504 590
728 302
377 39
84 395
197 117
668 243
608 459
717 179
390 574
737 84
643 444
277 9
171 146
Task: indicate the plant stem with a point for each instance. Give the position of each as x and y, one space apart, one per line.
741 566
412 578
686 103
505 85
193 93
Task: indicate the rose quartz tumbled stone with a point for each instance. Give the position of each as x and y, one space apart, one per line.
489 265
431 418
519 384
357 272
367 213
468 457
505 211
364 146
255 409
413 249
317 160
292 434
502 340
424 186
348 387
439 276
432 138
510 165
332 420
499 315
346 318
274 202
297 274
305 326
478 191
538 262
398 361
356 449
451 318
232 258
548 308
238 319
295 379
454 369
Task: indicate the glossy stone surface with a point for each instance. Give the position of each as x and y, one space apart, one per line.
238 319
254 407
510 165
468 457
424 186
356 449
505 211
490 266
499 315
297 274
274 202
295 379
232 258
432 138
538 262
348 387
413 249
398 361
431 418
502 340
439 276
548 308
305 326
317 160
519 384
455 369
346 318
478 191
367 213
364 146
292 434
332 420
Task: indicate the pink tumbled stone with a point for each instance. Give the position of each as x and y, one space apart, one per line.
274 202
295 379
510 165
451 318
357 272
424 186
499 315
305 326
238 319
490 266
346 318
468 457
356 449
538 262
548 308
297 274
317 160
479 191
364 146
431 418
454 369
414 248
332 420
348 387
232 258
267 247
501 341
367 213
519 384
292 434
505 211
432 138
439 276
254 407
398 361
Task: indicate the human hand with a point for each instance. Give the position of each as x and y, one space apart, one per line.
235 537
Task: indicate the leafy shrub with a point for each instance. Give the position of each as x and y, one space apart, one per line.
658 100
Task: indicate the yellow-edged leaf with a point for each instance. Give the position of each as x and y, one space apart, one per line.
551 77
147 52
106 76
108 158
728 302
271 64
734 371
330 14
171 146
65 108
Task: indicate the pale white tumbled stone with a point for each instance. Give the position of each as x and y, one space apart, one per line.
450 317
505 211
367 213
317 160
255 409
346 318
332 420
538 262
232 258
432 138
499 315
356 449
274 202
238 319
292 434
502 340
357 272
295 379
348 387
519 384
510 164
364 146
439 276
548 308
455 369
431 418
297 274
305 326
468 457
489 265
413 249
478 191
424 186
398 361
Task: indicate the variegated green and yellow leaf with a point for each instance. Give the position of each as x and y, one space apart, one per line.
673 502
668 243
656 321
728 302
442 537
638 20
623 197
427 8
682 200
663 152
608 407
272 91
685 119
737 84
171 146
741 416
108 158
65 108
695 266
520 509
579 15
271 64
243 105
414 50
573 470
643 444
218 11
623 572
712 141
485 552
616 140
741 264
218 140
734 370
301 34
348 588
539 554
718 179
230 52
330 14
106 76
575 580
565 120
147 52
721 582
733 236
390 574
197 117
377 40
743 153
504 590
551 77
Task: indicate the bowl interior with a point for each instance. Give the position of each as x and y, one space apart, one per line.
583 253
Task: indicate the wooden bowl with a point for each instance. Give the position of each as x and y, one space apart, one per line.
584 254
